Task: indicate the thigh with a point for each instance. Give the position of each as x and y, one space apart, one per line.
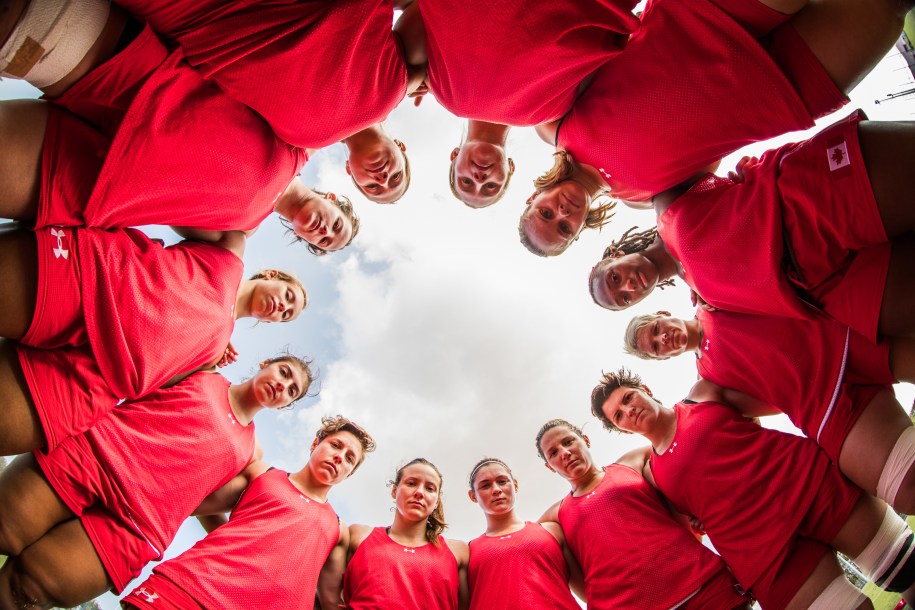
849 37
872 438
888 149
20 427
902 358
861 526
896 312
19 278
60 569
29 506
826 571
22 129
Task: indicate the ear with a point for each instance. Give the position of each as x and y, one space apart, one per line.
587 440
271 274
530 199
314 444
400 145
548 467
647 390
263 364
331 196
618 254
516 484
664 313
348 170
472 496
393 491
511 166
454 153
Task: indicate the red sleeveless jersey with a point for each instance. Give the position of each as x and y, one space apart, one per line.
268 555
317 71
748 485
524 569
672 104
632 552
166 452
516 63
153 312
384 574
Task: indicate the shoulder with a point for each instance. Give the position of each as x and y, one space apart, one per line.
460 550
636 458
551 514
357 535
555 530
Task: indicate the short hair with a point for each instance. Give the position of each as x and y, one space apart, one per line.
631 335
457 194
346 207
283 276
338 423
485 462
435 523
555 423
623 378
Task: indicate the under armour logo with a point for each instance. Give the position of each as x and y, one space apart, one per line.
672 447
410 551
149 597
838 156
592 494
604 172
60 250
504 537
304 498
231 418
707 343
232 311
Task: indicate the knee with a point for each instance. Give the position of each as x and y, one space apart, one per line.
20 589
12 542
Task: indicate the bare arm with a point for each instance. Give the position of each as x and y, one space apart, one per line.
547 131
223 499
748 406
576 577
211 522
411 31
330 580
551 514
462 554
233 241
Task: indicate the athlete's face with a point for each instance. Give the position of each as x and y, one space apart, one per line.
321 223
566 453
494 489
555 217
622 280
480 172
417 494
334 458
274 300
277 384
632 410
379 169
663 338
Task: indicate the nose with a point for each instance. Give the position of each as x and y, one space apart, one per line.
381 176
563 209
665 338
281 306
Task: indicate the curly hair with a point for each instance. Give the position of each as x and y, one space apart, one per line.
332 425
346 207
435 523
289 278
623 378
485 462
555 423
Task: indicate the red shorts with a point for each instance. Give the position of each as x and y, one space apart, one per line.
830 510
159 593
853 400
71 161
834 228
85 488
58 318
720 592
67 388
868 363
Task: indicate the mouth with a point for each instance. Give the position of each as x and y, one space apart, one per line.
643 281
418 505
273 392
332 467
273 306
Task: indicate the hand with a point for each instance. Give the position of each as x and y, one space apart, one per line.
229 356
745 163
419 93
698 301
696 525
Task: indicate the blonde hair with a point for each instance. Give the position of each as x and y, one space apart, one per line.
435 523
631 335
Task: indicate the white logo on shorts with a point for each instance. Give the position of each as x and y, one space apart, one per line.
60 250
149 597
838 156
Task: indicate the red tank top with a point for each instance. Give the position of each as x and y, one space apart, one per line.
166 452
531 560
753 253
632 552
316 71
540 54
153 312
186 154
748 485
671 104
268 555
383 575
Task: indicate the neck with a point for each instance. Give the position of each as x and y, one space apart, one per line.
504 523
369 135
408 533
243 299
693 334
493 133
241 399
305 482
293 198
662 435
589 178
658 254
587 481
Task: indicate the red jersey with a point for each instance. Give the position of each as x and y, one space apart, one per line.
153 312
749 486
632 552
524 569
540 54
263 54
672 104
268 555
384 574
164 453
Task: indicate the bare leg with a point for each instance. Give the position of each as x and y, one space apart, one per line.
60 569
850 37
22 129
20 427
19 278
899 294
902 358
786 7
888 149
868 446
826 571
29 506
10 13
